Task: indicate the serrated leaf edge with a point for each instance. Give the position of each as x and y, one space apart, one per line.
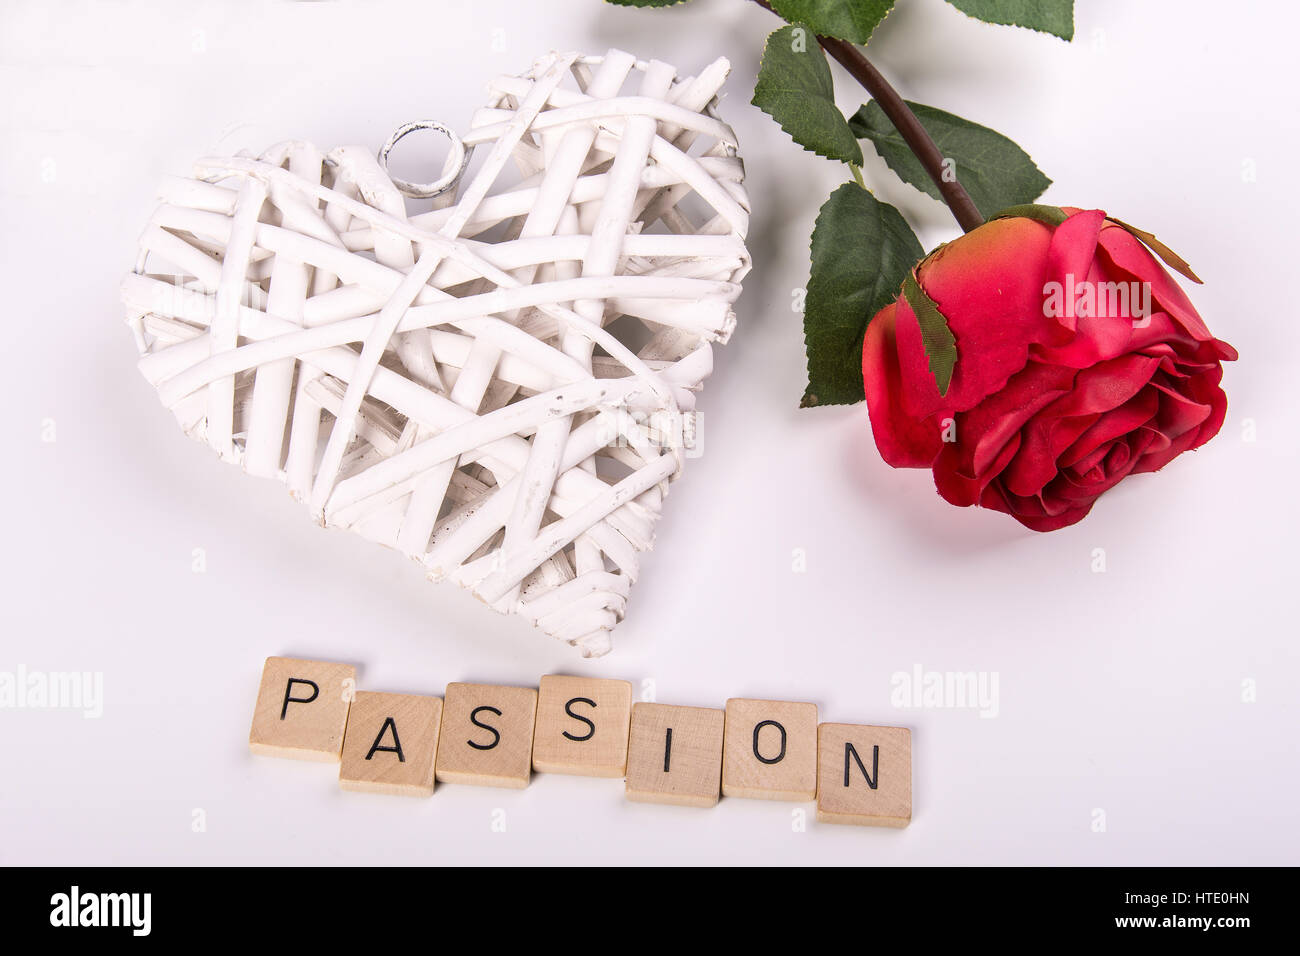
1019 26
922 188
846 39
785 129
936 338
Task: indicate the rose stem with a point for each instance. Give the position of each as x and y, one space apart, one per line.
908 126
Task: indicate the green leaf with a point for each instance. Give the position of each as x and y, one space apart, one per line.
646 3
794 88
851 20
862 250
995 171
1051 215
1046 16
937 339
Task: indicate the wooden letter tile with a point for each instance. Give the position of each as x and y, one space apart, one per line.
302 709
865 775
770 750
675 755
391 744
487 735
582 726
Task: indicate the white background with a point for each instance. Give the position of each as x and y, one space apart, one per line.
1120 691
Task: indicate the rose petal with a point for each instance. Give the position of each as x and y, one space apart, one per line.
983 430
1204 392
1155 460
964 490
1128 417
1128 254
1099 389
903 441
1031 512
1073 248
1204 388
989 286
1178 413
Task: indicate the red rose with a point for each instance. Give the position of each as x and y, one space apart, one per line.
1079 361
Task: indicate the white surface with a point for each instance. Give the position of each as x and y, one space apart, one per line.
1120 691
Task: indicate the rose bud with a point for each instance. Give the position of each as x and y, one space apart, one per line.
1079 361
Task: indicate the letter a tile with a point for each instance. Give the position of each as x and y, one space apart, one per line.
391 744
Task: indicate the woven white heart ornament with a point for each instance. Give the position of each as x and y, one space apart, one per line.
450 383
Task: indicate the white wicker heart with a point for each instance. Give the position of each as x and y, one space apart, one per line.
450 383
